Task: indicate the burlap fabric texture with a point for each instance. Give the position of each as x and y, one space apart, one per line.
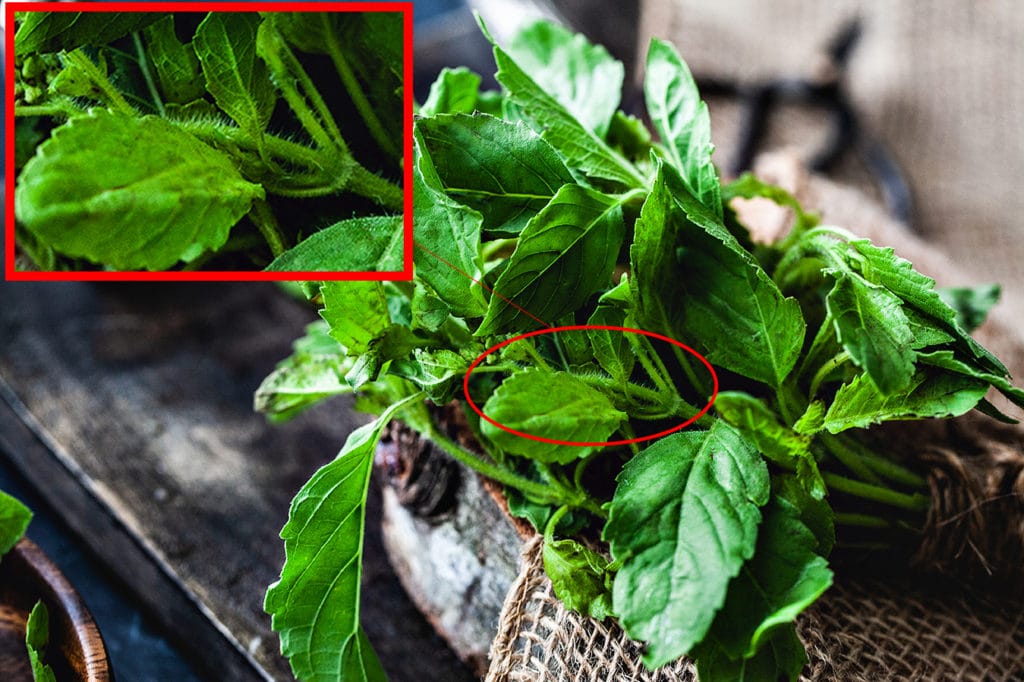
860 631
952 611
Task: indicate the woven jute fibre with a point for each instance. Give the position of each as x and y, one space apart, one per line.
859 631
939 83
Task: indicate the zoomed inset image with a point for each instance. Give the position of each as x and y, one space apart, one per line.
188 141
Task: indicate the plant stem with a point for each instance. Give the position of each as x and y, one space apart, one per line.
861 520
850 459
355 91
113 98
531 488
825 370
648 365
62 108
266 221
372 186
147 75
915 502
884 466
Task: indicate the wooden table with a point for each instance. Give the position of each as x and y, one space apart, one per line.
130 407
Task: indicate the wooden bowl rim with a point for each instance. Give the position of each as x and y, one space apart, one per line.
58 593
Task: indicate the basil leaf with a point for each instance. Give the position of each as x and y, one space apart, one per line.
453 92
55 31
564 255
683 521
554 405
946 360
783 578
225 43
611 349
37 635
86 195
357 313
14 519
504 170
176 65
373 243
693 281
882 266
447 238
871 326
930 394
582 77
314 372
776 442
782 658
579 576
315 604
438 373
581 147
971 304
683 122
749 186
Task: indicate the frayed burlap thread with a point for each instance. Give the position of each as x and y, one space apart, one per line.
860 631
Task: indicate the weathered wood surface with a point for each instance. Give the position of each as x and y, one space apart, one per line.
75 648
130 407
455 551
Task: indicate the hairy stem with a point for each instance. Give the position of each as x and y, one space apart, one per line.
355 91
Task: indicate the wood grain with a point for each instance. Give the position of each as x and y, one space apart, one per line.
130 407
75 648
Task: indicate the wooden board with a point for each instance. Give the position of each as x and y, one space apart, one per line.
130 407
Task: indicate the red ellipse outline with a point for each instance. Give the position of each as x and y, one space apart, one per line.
581 327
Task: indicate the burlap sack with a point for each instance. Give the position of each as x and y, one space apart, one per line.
918 622
860 631
939 83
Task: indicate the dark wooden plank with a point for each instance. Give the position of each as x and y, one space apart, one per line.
141 394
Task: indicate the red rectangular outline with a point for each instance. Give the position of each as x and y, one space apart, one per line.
10 274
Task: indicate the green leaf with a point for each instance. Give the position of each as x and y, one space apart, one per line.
694 282
971 304
14 519
581 147
371 244
871 326
447 239
564 255
611 349
314 372
37 635
357 313
882 266
554 405
682 522
56 31
946 360
239 81
816 514
177 67
579 576
438 372
782 658
87 194
776 442
582 77
503 170
859 404
783 578
315 604
454 91
682 120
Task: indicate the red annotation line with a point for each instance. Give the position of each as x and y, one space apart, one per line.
486 288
